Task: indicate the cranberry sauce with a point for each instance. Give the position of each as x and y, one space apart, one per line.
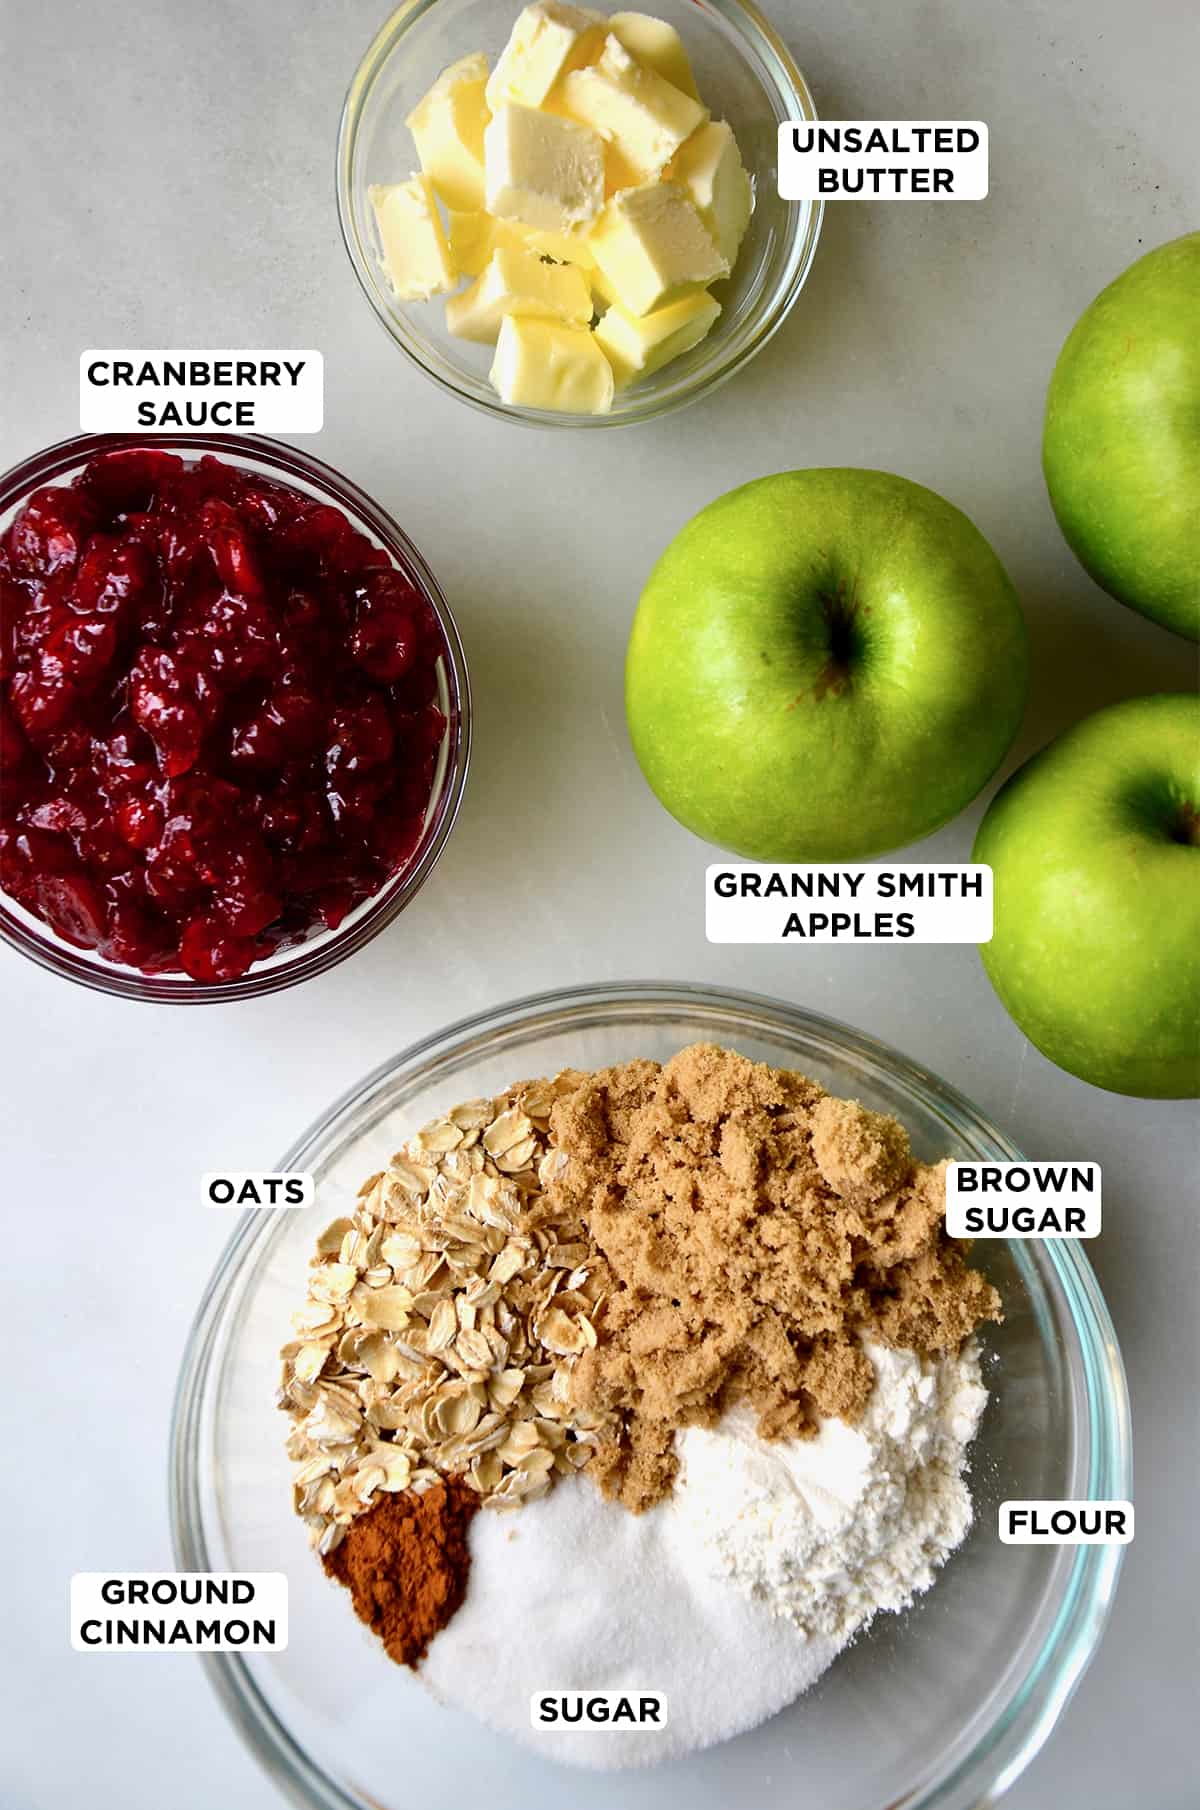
218 725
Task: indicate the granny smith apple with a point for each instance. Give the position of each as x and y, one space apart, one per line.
824 665
1121 448
1095 849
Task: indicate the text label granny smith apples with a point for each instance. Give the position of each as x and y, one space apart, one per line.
840 903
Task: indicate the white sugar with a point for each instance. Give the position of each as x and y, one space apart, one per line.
734 1595
574 1593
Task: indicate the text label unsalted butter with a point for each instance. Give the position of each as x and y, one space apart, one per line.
883 160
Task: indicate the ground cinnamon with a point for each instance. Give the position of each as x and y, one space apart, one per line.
405 1563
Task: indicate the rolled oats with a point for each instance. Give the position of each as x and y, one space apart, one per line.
443 1321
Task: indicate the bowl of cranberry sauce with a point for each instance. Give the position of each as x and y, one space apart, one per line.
234 715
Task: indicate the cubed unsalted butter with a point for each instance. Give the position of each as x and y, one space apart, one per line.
540 169
474 236
657 45
642 118
709 167
518 282
541 364
651 243
547 40
448 128
416 256
602 290
636 344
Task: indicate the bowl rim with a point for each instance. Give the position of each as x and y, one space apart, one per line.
1004 1748
307 959
803 230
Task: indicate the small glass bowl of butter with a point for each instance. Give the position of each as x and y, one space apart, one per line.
547 210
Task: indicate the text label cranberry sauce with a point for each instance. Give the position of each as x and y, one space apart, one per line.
270 392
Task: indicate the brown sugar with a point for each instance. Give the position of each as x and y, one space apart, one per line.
405 1563
752 1229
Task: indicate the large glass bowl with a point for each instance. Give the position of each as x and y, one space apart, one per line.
941 1706
323 948
746 76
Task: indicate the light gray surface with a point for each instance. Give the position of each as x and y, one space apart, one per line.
169 182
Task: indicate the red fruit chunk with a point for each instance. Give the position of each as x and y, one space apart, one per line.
386 645
15 751
112 578
163 703
218 714
129 479
229 543
137 939
359 738
80 652
71 905
40 704
49 533
283 728
61 815
231 637
140 821
322 541
210 952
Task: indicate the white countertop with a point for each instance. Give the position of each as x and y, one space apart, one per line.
170 183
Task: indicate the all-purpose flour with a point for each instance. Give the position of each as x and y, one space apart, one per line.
732 1596
829 1531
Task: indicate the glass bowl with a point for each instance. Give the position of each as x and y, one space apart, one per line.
745 74
324 948
941 1706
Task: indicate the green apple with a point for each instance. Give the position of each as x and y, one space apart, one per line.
1095 848
1121 448
824 665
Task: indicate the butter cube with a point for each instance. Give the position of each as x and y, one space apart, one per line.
636 344
474 237
709 167
541 364
518 282
564 248
416 256
542 170
602 290
657 45
651 243
448 128
548 39
643 118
